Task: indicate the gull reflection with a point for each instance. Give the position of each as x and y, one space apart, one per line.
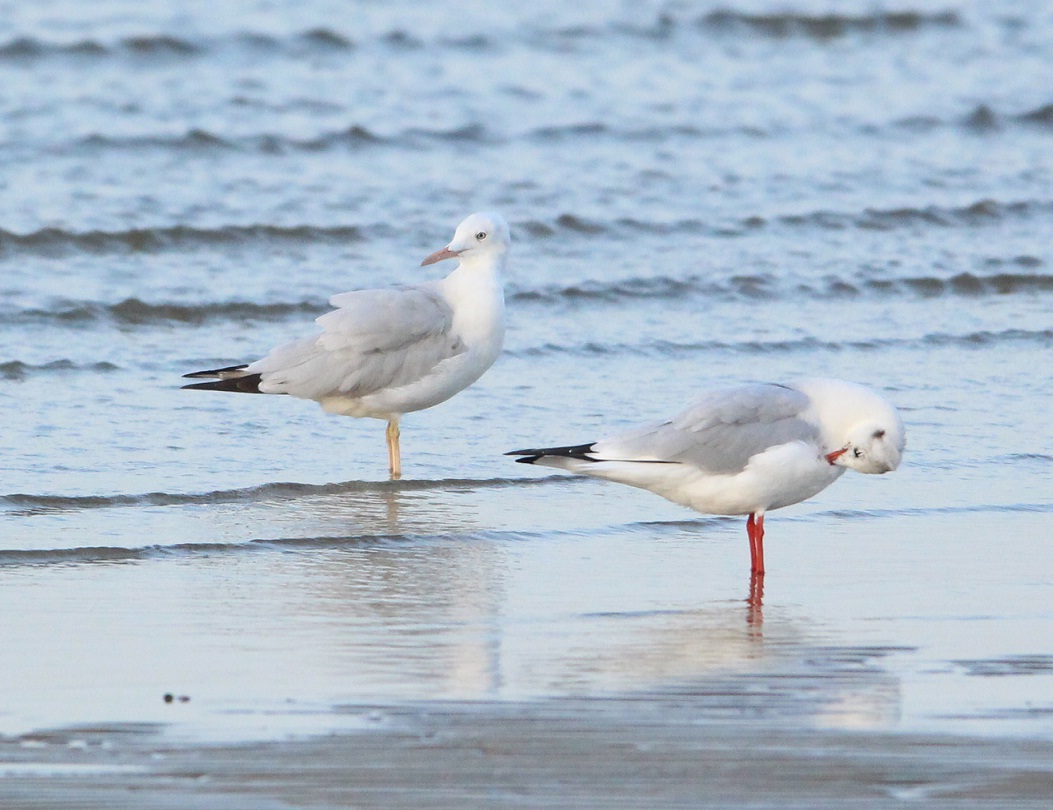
426 600
755 604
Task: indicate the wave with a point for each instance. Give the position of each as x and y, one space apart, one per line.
34 48
926 510
348 137
668 348
357 136
769 287
593 130
1040 115
971 215
662 27
167 46
981 212
30 504
983 119
193 140
779 25
17 370
328 41
136 312
827 26
1027 457
352 137
850 514
61 242
108 554
97 554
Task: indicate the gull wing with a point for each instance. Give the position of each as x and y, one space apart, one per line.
373 340
720 432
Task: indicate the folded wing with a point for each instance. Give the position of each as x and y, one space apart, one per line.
373 340
720 432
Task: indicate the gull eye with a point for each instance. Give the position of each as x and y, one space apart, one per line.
879 434
480 236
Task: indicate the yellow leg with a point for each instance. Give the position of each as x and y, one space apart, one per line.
394 457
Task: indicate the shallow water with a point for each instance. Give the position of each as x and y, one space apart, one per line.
699 195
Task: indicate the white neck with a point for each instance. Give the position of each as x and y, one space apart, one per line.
475 292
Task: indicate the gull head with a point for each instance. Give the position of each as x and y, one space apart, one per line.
872 448
875 443
862 430
481 237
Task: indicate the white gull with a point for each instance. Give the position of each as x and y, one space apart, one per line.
747 450
386 352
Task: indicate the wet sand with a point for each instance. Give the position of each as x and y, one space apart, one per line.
654 752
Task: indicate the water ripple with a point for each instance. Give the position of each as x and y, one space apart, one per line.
53 241
134 312
806 345
827 26
26 504
61 242
765 286
105 554
590 293
155 46
17 370
327 41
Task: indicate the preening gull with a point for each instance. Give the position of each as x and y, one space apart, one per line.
386 352
747 450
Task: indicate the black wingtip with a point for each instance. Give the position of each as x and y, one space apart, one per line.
215 372
529 456
249 384
578 451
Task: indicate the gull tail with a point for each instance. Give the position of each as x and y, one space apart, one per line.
578 452
231 378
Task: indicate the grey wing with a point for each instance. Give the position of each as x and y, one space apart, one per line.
720 432
375 339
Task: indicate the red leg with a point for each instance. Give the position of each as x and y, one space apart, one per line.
750 532
755 530
760 543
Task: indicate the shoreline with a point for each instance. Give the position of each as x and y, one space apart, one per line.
559 753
